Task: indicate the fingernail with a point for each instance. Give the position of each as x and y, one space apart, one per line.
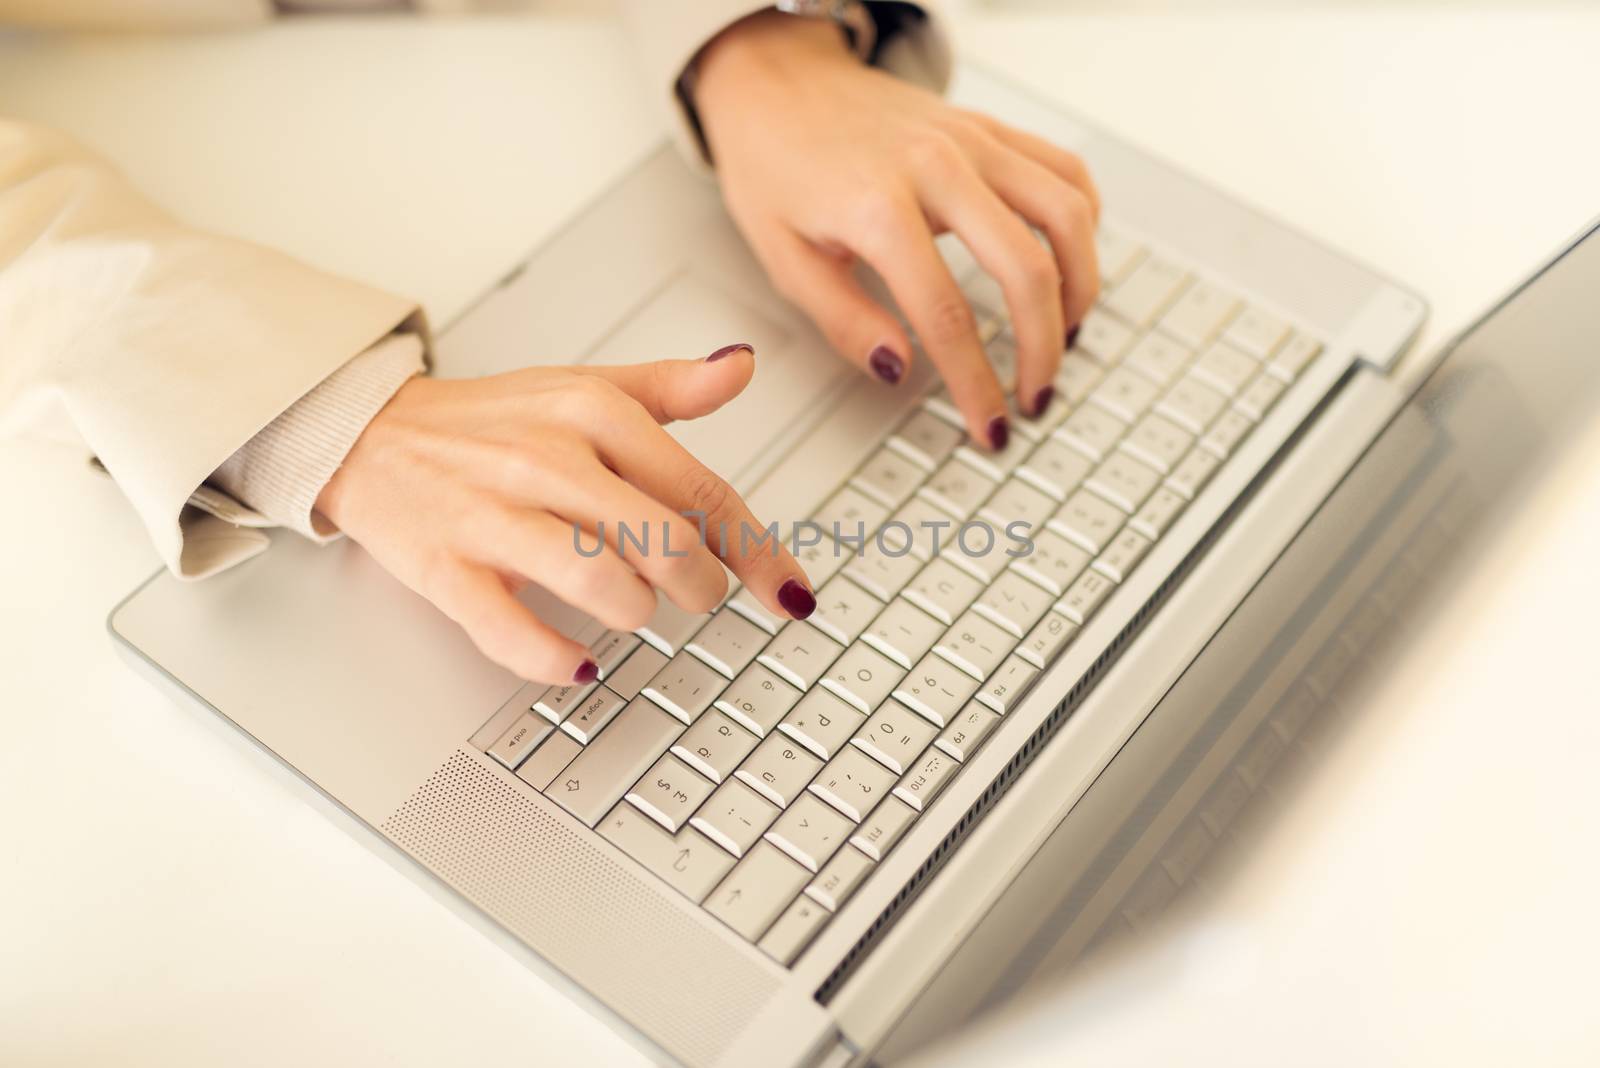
587 672
886 365
1072 336
1042 399
729 350
999 433
798 601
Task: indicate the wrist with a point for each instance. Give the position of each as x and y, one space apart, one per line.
762 44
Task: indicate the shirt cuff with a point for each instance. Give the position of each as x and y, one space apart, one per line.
281 471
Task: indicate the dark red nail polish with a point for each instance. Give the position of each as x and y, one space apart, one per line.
886 365
798 601
587 672
1072 336
728 350
1042 399
999 433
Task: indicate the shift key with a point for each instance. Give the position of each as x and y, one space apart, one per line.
602 773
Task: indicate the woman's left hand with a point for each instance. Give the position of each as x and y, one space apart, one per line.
825 161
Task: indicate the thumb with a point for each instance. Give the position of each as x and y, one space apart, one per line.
682 389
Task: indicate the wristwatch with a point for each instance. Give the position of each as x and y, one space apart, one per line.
851 16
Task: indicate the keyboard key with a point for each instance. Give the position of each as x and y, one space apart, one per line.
1123 555
714 745
1257 332
844 873
863 677
1046 640
685 687
1294 357
1056 468
747 605
1118 255
794 930
843 610
881 830
1124 481
1158 358
1009 685
758 699
1158 512
1225 368
1077 377
851 514
687 861
758 889
1125 394
997 465
925 439
1148 291
1102 338
597 778
975 645
728 643
957 488
520 739
1258 397
735 817
936 688
801 654
818 554
612 649
1035 426
1158 441
924 782
1088 520
810 831
895 736
671 627
1086 595
853 783
592 716
979 549
1017 502
1191 475
1192 404
779 769
926 530
889 477
640 667
1014 603
558 702
1200 314
1053 564
968 731
903 632
670 793
1227 433
880 573
943 591
822 722
1093 430
549 760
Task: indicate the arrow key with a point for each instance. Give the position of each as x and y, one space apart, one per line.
687 860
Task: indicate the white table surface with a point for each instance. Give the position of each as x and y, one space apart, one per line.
162 900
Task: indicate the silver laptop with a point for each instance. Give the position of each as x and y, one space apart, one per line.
758 840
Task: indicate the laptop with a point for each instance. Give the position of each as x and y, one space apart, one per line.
763 840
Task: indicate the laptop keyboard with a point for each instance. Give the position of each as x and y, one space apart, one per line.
764 766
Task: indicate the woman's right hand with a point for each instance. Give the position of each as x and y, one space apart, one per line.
468 489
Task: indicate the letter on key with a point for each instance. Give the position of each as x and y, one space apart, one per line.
757 890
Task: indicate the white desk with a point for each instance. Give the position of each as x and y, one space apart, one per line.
163 901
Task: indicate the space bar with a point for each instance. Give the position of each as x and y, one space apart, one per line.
599 776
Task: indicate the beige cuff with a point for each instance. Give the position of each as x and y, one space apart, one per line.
279 473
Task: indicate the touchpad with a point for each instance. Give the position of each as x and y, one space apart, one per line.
689 316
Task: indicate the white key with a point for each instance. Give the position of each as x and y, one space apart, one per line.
889 477
863 677
1225 368
882 829
822 722
1093 430
1148 291
1053 564
1257 332
925 439
980 550
520 739
1125 394
943 591
728 643
926 530
671 627
1086 595
1191 475
758 699
1087 520
592 715
844 873
801 654
850 514
611 649
924 781
597 778
685 687
1158 512
549 760
1191 404
688 861
903 632
735 817
640 667
936 689
968 731
895 736
779 769
843 610
1102 337
758 889
1300 351
1008 686
558 702
1158 358
1200 314
1056 468
1016 501
997 465
1158 441
975 645
747 605
810 831
1077 377
957 488
1118 255
794 930
1124 481
818 555
714 745
853 783
1123 555
670 793
939 403
1258 397
1046 640
1014 603
881 574
1036 425
1225 435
